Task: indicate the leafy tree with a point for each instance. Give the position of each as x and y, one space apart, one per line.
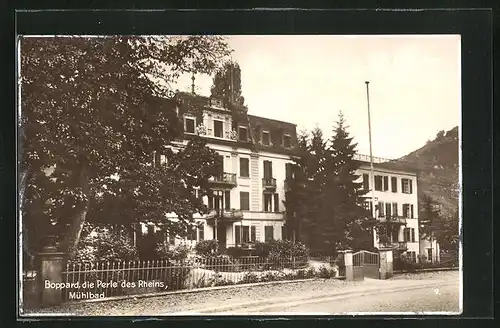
227 85
448 231
94 110
429 218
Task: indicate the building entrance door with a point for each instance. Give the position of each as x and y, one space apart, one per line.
221 236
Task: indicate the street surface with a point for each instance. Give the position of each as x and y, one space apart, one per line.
433 291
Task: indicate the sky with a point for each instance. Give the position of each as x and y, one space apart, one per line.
414 87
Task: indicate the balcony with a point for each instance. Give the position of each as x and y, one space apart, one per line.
224 180
397 245
222 216
269 183
401 220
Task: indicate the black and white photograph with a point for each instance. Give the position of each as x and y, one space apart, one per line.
181 175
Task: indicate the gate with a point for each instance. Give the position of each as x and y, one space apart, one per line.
368 262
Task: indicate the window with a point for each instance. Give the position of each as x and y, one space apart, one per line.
201 232
366 181
394 184
406 234
380 209
218 132
265 138
244 200
189 125
386 183
237 235
268 233
191 233
283 232
210 202
245 234
276 203
413 256
253 233
268 170
243 134
395 209
406 210
429 254
378 183
412 234
244 167
227 200
267 202
388 208
287 141
406 186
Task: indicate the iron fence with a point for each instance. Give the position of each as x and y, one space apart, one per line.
88 280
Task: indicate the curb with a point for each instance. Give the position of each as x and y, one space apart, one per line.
428 270
194 290
300 300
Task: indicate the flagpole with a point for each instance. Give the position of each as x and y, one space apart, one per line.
372 173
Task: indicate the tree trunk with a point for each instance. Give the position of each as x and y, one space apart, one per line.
70 242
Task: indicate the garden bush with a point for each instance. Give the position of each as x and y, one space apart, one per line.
102 243
249 278
165 251
207 247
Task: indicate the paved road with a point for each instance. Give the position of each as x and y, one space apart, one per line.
444 298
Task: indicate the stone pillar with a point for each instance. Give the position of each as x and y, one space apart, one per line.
349 270
51 266
386 268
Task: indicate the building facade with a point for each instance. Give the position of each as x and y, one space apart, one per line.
247 200
247 197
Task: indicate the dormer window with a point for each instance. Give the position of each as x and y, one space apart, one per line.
287 141
242 134
218 131
265 138
189 125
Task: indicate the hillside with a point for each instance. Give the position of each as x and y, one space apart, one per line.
437 163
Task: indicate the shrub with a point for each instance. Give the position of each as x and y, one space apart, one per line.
106 244
166 251
310 273
174 276
217 280
207 247
235 252
249 278
326 273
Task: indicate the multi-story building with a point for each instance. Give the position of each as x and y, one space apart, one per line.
247 202
393 189
247 196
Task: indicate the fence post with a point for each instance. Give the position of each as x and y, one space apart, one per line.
386 266
348 262
51 266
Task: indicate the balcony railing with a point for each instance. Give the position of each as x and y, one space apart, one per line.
224 178
269 183
393 219
231 214
399 245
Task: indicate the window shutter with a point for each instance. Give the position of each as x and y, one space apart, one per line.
403 185
388 209
276 203
395 209
410 183
253 232
283 233
411 211
366 181
227 200
394 184
237 234
412 234
386 183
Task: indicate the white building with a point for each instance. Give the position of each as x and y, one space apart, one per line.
247 202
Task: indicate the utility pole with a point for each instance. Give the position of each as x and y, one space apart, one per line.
372 173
